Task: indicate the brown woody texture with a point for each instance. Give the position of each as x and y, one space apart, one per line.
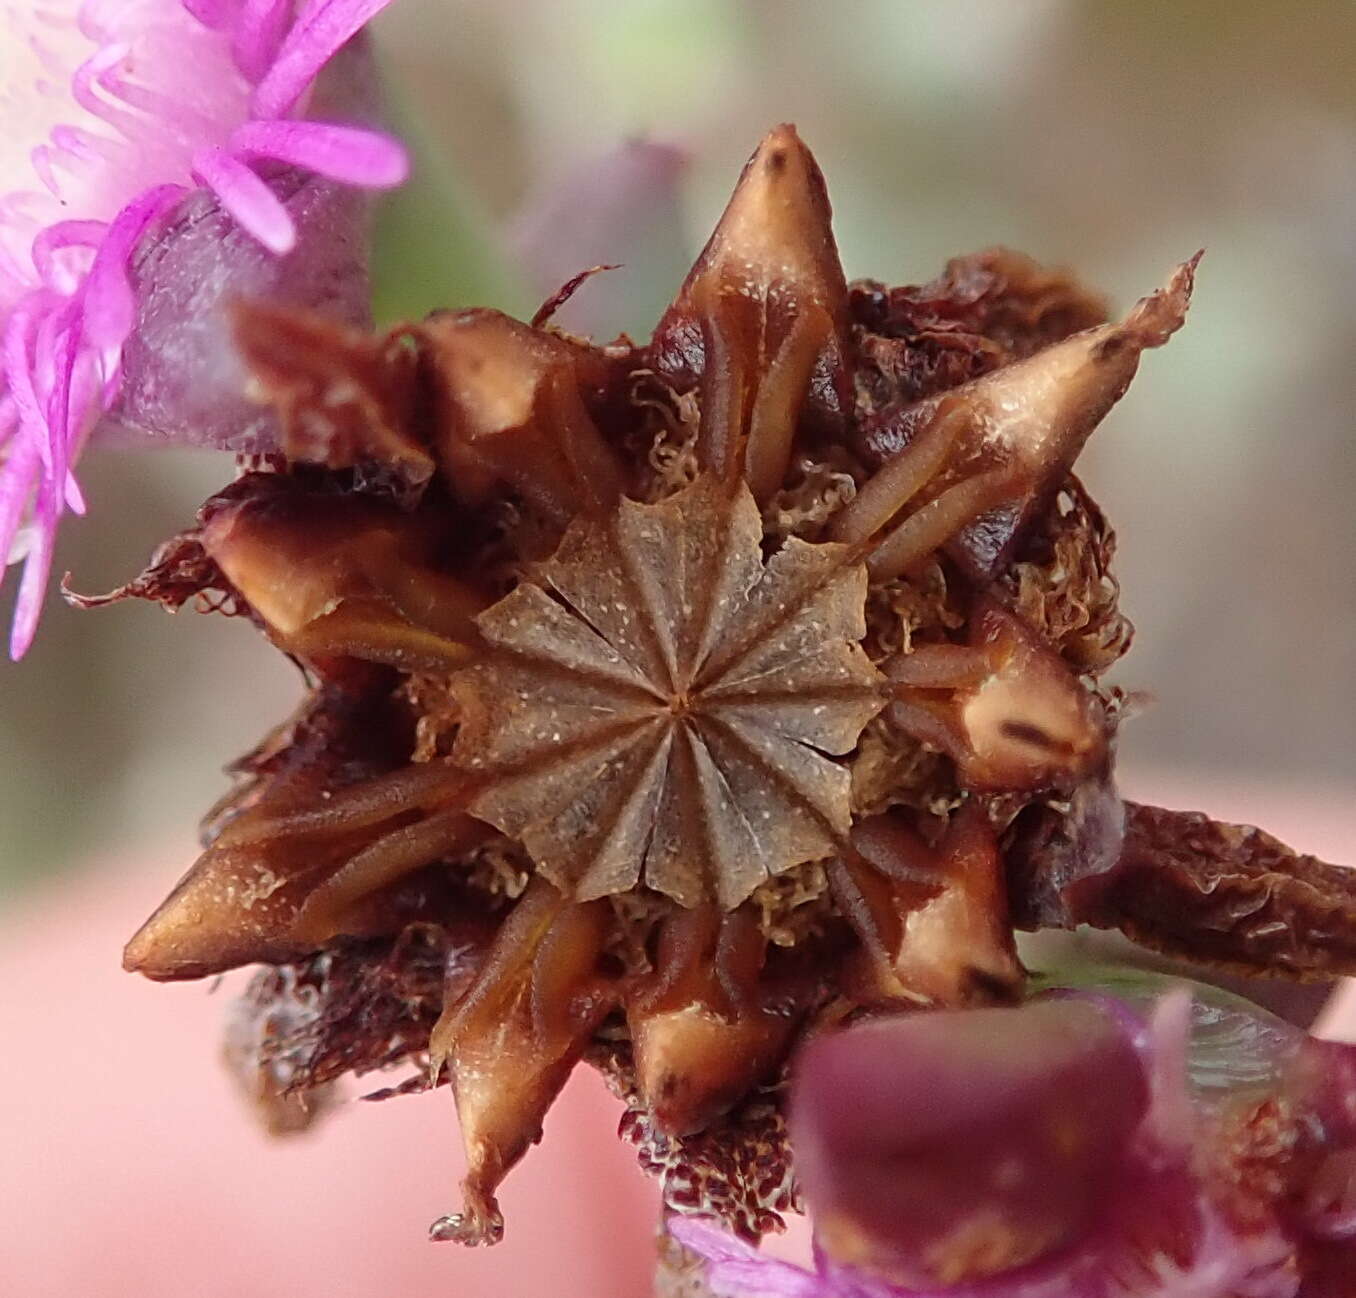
668 702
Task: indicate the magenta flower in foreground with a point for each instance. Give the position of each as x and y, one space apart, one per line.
115 111
1066 1150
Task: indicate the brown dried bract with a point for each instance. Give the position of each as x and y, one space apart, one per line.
1230 896
670 702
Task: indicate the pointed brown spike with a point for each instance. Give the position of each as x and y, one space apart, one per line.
759 324
1027 423
344 575
245 903
509 410
318 844
510 1042
236 906
343 397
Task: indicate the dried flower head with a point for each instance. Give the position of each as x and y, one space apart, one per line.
115 112
686 698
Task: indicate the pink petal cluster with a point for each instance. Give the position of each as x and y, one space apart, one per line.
114 112
910 1140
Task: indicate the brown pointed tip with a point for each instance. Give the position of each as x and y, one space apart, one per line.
777 226
692 1064
230 910
174 945
1154 319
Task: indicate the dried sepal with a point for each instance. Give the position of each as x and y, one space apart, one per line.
1005 708
508 408
1063 586
343 398
661 704
345 576
707 1028
1001 444
983 311
181 570
510 1041
759 326
369 1004
275 1011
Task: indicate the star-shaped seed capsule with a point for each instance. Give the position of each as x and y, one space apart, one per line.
671 702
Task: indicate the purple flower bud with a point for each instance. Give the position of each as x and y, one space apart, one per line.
1067 1149
948 1146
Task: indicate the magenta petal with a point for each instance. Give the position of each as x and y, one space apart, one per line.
914 1133
52 240
710 1241
348 154
17 366
309 46
259 32
47 511
37 568
17 476
75 497
212 13
247 198
737 1269
109 306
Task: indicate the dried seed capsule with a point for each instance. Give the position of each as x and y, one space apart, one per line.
722 656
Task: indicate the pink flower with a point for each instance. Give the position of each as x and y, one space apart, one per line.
115 111
1066 1149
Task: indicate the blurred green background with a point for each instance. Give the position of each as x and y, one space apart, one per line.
1113 137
